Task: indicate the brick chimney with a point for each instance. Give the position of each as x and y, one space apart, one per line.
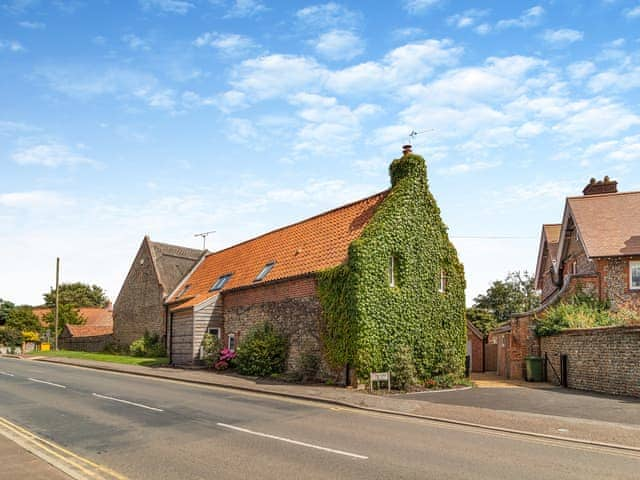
596 187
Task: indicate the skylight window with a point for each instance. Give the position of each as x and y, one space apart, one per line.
220 282
265 271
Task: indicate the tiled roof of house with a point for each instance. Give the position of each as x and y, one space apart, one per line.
552 236
96 318
308 246
77 331
608 224
172 262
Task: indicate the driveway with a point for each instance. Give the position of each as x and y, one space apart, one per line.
499 394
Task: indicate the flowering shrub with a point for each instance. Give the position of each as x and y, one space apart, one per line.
225 358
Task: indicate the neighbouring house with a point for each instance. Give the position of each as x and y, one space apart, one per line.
595 250
350 286
93 335
475 348
156 270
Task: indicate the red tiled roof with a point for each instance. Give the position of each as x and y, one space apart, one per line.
308 246
89 330
95 317
609 224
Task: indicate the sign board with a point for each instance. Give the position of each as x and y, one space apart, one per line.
380 377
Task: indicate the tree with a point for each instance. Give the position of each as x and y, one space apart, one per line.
67 314
78 295
482 319
517 293
5 307
23 319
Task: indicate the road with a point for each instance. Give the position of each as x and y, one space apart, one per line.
154 429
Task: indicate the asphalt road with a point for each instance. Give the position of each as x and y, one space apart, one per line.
153 429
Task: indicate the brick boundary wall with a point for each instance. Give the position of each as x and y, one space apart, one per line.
86 344
604 360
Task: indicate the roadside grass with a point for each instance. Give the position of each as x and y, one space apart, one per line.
106 357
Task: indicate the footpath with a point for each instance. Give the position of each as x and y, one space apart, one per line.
17 462
597 428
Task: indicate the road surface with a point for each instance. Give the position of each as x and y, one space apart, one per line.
146 428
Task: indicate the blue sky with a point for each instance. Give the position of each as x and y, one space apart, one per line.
172 117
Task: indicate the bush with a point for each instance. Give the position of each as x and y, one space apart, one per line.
211 346
147 346
10 337
309 367
263 352
23 318
581 311
403 369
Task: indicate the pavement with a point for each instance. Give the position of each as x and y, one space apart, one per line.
151 428
512 405
17 462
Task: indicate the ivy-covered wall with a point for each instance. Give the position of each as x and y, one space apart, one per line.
366 320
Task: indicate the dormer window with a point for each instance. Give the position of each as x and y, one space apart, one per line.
265 271
220 282
183 291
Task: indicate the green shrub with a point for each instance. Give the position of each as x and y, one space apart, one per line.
403 369
581 311
10 337
263 352
309 367
148 346
23 318
211 346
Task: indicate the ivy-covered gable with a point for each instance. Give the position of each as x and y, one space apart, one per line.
402 285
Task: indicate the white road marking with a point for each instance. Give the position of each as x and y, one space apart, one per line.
48 383
128 402
7 374
294 442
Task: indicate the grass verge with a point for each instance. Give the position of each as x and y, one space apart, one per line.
107 357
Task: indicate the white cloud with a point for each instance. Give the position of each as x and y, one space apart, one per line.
623 79
419 6
482 29
624 150
339 45
562 37
598 119
466 19
530 129
227 44
51 155
633 12
11 128
327 16
245 8
529 18
581 70
136 43
32 25
34 200
407 32
180 7
11 45
468 167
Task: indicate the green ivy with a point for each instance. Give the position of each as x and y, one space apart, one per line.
367 322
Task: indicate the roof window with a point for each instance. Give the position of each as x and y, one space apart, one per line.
265 271
220 282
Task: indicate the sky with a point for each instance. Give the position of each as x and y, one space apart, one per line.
174 117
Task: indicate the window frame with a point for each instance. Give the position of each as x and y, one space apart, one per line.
633 264
217 329
220 282
392 271
266 270
231 337
444 281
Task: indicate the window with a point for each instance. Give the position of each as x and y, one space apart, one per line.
265 271
231 342
444 280
574 267
215 332
634 275
393 271
184 290
220 282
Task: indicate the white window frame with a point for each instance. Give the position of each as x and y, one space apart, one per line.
217 334
633 264
392 271
231 337
443 281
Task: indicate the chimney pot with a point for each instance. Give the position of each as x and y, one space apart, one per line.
598 187
406 149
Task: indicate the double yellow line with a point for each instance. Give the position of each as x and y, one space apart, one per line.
74 465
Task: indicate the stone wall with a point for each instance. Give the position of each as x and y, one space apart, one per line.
602 360
139 305
615 280
85 344
292 307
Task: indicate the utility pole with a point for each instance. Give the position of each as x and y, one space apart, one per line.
57 301
204 236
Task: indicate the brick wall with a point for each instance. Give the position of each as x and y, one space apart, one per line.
139 305
477 347
85 344
599 360
291 306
